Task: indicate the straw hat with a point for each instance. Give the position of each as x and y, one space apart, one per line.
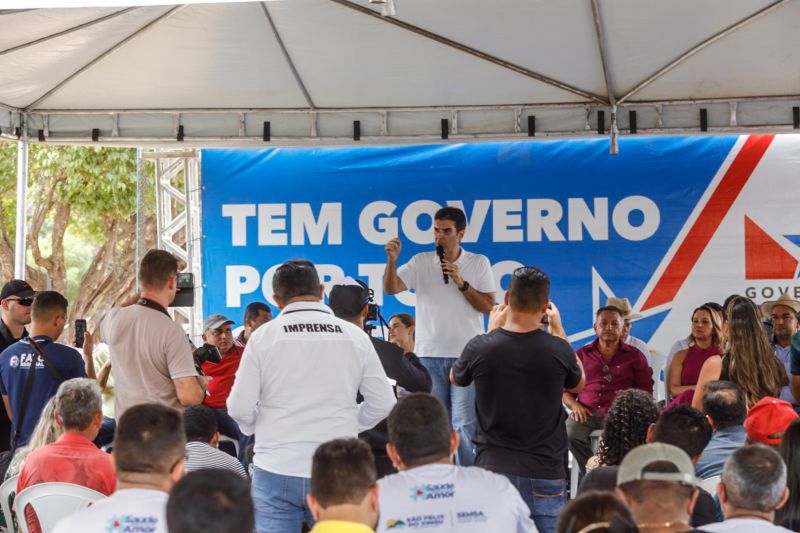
625 306
783 299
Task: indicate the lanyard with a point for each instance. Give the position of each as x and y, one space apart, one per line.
150 304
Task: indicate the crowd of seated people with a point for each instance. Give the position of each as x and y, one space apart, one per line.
334 431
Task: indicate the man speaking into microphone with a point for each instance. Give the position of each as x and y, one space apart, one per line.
454 289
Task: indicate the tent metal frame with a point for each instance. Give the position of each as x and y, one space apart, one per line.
590 101
22 121
514 114
177 191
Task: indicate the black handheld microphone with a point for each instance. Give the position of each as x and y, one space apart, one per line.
440 253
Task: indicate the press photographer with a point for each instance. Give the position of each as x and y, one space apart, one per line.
218 339
152 361
351 300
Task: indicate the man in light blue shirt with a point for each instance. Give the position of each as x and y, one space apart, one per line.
723 403
783 315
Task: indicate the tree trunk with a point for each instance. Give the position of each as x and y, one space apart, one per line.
111 277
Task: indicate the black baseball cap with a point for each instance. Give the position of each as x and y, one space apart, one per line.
348 297
17 287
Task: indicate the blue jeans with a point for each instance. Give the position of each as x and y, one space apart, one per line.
545 499
280 502
460 404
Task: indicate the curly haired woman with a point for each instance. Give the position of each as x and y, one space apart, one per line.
626 426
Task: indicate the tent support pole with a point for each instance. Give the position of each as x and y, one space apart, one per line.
598 28
22 193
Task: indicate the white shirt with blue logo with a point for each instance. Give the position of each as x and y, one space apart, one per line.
441 497
134 510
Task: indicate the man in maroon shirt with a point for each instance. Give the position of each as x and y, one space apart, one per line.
218 333
610 366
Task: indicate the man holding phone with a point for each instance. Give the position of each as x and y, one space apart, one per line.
151 355
518 363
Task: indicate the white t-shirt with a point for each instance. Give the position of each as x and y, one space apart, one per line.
744 525
297 384
449 498
640 345
445 319
141 510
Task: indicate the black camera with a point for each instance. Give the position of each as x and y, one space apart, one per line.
185 295
207 353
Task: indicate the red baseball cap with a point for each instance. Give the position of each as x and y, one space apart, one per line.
768 419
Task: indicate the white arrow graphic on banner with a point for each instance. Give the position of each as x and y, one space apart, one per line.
599 286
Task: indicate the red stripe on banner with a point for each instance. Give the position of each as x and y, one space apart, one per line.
709 220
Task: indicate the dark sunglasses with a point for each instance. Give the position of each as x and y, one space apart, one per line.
22 301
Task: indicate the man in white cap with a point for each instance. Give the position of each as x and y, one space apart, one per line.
783 315
629 317
657 482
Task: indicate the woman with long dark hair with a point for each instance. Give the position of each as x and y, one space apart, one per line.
401 331
788 516
748 359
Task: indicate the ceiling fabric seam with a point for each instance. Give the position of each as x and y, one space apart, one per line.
700 46
103 55
473 52
288 57
67 31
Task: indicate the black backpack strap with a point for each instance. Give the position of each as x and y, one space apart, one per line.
57 375
23 405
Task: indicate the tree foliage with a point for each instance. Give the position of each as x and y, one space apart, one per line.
84 196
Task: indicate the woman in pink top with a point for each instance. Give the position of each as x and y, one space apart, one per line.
706 341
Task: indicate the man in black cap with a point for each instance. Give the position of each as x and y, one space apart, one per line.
349 301
15 307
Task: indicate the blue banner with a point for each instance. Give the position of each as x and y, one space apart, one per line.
598 224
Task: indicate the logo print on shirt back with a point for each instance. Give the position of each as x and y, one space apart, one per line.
432 491
131 524
393 523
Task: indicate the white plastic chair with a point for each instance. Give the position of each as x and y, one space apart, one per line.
225 438
7 490
594 439
710 484
660 372
53 501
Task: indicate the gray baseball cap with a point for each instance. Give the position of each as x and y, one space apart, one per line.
634 465
214 321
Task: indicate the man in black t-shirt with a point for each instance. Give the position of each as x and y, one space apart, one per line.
520 372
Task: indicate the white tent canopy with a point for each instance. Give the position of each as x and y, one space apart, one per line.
306 70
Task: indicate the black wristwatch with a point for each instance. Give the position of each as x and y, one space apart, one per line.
465 287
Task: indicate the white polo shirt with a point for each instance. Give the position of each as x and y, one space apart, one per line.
445 319
141 510
297 384
448 498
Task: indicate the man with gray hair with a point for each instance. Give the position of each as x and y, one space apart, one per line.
73 458
752 487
